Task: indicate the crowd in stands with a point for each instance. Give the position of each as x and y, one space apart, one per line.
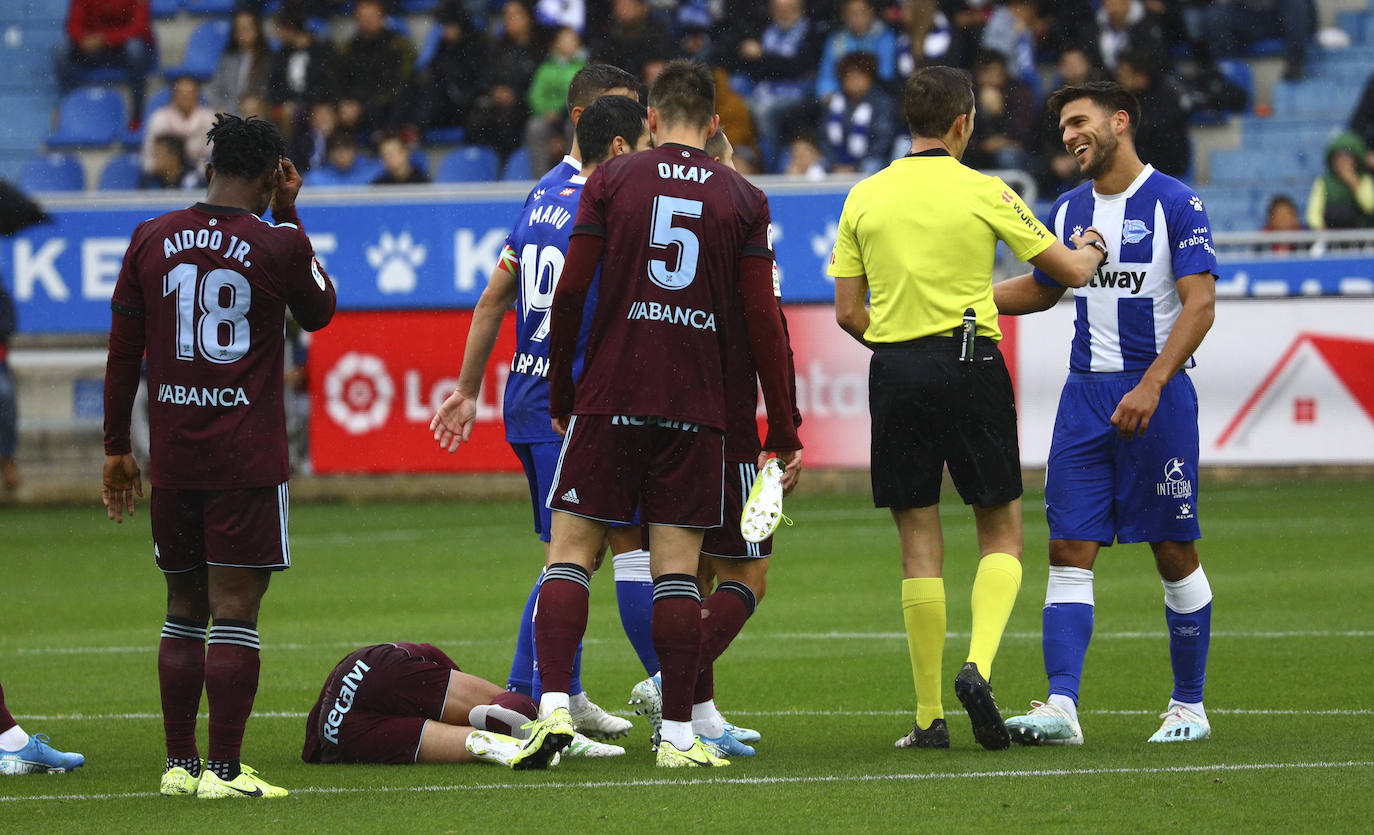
805 87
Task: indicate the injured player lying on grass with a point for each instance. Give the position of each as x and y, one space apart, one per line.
401 703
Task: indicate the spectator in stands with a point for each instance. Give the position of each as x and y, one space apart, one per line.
1230 26
344 163
1005 120
861 122
1127 23
499 115
303 69
1162 136
804 159
861 31
780 58
169 167
375 70
448 84
546 133
735 115
925 37
1055 169
246 65
967 19
1012 31
308 147
1069 24
185 117
397 167
1282 216
105 34
1343 196
633 38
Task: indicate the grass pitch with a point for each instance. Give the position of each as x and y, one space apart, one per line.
821 671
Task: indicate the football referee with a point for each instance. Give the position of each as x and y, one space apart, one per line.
920 237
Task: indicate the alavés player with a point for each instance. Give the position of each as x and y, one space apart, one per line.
1123 459
531 263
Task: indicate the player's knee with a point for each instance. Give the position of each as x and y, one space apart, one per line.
1175 560
1073 553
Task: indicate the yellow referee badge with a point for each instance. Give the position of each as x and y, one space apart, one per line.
763 508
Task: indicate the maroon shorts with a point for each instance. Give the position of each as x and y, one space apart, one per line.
726 540
239 528
669 470
374 706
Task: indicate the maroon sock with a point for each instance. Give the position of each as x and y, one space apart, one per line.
730 606
507 712
6 721
231 684
706 683
180 678
559 623
677 640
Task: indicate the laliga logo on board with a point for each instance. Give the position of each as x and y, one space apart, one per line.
395 259
358 392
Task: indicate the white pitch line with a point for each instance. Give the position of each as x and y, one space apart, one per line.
833 714
746 636
763 781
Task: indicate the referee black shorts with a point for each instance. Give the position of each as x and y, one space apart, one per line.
930 409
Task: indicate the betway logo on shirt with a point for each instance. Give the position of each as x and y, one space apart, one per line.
1131 280
201 395
673 314
342 705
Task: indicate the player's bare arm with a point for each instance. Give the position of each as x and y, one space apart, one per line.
288 188
1022 294
120 480
452 424
1199 296
1073 267
851 306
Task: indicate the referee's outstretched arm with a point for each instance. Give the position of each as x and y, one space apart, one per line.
1023 294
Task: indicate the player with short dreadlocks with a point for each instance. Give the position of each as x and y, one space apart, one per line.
205 291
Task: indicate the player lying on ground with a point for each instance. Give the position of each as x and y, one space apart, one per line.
526 275
22 753
1123 460
205 291
402 703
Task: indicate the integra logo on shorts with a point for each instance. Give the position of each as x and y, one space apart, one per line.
348 691
201 396
673 314
1175 484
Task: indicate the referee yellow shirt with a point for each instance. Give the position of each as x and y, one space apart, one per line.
924 232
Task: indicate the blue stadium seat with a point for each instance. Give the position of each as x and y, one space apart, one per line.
53 172
418 6
468 164
34 11
89 117
1253 167
445 136
121 173
364 171
517 165
1239 74
203 48
27 52
210 7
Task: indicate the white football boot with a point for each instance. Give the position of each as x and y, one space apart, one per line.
1182 725
1045 723
590 719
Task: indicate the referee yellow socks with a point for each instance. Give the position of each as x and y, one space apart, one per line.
994 593
923 610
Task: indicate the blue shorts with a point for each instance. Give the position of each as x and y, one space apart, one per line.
1101 488
540 461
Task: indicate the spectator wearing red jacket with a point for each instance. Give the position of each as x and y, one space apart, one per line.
109 34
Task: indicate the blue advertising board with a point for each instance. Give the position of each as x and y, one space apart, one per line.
433 247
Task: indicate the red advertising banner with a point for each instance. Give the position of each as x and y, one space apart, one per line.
376 379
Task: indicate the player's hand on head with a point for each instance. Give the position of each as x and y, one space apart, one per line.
119 483
452 424
290 186
1133 413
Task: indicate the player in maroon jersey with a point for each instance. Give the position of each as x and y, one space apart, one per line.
680 234
205 291
402 703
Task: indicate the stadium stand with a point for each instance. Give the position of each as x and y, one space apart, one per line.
203 49
468 164
53 172
89 117
122 172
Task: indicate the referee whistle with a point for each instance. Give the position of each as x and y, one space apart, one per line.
969 331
